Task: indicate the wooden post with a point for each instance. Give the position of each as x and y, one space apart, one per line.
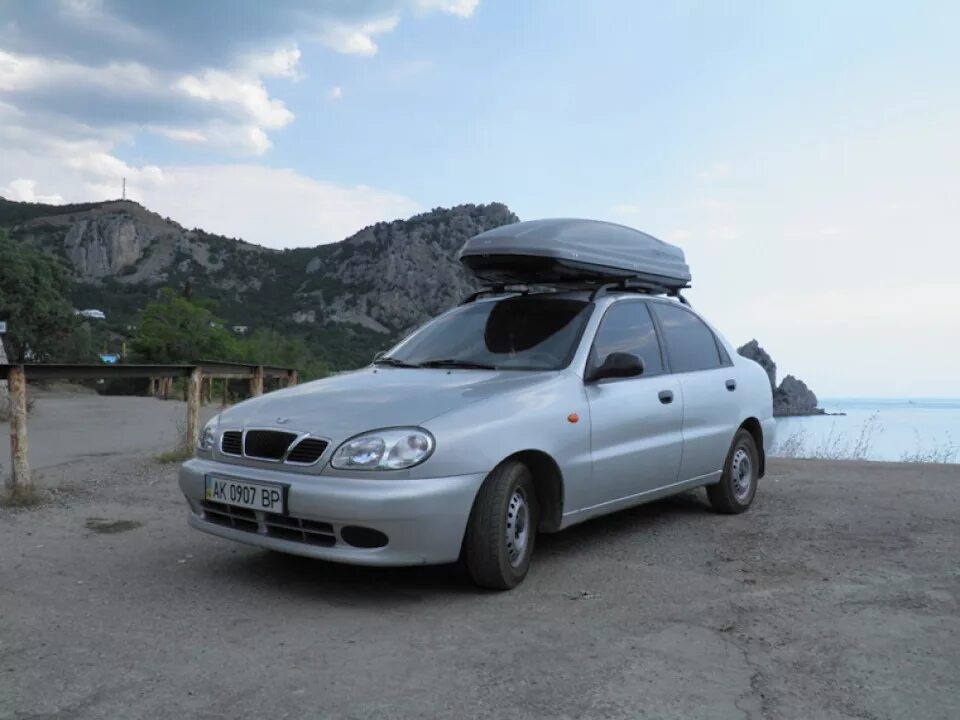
226 391
20 477
207 391
193 407
292 378
256 382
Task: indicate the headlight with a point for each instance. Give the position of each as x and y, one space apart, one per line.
208 437
393 449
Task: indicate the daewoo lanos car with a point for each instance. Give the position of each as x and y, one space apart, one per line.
511 414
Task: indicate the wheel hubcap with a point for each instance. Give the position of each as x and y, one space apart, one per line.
742 471
518 527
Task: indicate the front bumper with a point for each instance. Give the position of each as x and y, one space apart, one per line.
424 520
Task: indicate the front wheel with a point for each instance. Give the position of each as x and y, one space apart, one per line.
738 485
502 528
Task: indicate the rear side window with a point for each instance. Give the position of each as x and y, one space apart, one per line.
627 327
690 343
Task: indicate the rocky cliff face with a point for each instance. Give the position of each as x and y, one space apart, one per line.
120 241
391 276
792 396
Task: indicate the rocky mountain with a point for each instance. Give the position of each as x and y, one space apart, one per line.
348 298
791 396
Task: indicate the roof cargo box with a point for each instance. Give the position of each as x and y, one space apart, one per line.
553 252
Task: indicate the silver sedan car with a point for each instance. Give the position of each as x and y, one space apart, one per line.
504 417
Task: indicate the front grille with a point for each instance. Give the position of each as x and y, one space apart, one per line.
307 451
267 444
282 527
232 442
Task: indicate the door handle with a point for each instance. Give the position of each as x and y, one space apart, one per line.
731 385
666 396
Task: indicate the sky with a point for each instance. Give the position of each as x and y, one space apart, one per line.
804 155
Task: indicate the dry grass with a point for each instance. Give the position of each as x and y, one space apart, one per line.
835 446
22 496
182 451
946 451
176 455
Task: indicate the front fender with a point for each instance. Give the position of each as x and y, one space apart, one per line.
552 417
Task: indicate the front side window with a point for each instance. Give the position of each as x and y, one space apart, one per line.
690 343
627 327
514 333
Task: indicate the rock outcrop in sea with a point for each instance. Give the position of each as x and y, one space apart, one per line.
791 396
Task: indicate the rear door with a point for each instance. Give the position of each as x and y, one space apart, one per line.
635 422
709 385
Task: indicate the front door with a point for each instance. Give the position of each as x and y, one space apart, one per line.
636 423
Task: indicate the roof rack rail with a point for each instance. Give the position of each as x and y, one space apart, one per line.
496 289
623 285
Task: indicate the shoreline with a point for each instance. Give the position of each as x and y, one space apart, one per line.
819 412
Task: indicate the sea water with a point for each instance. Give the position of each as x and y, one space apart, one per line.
876 429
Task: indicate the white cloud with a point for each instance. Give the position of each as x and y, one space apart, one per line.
230 108
26 191
269 206
248 97
181 134
356 39
460 8
282 62
335 93
90 16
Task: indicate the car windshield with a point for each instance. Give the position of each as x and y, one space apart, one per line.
515 333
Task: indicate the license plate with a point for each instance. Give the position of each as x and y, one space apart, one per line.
241 493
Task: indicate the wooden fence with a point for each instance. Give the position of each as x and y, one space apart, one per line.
160 376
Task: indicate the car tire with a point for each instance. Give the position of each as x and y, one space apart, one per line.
502 528
738 484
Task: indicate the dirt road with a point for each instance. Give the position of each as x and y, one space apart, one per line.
836 596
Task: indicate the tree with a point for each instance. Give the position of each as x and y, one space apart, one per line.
269 347
34 288
177 330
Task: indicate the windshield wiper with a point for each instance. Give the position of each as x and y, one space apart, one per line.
393 362
454 363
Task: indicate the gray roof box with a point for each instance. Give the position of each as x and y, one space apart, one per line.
566 251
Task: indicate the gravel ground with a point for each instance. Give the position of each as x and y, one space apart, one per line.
836 596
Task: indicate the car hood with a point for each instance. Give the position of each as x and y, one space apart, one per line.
344 405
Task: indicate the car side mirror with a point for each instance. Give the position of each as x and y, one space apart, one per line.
379 355
618 365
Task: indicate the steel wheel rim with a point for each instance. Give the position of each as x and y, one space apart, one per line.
518 527
741 468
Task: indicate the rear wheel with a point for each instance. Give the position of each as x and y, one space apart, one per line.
738 485
502 528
